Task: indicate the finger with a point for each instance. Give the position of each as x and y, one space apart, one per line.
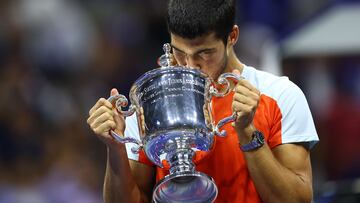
240 89
114 91
99 103
245 100
248 85
118 117
102 119
241 108
105 127
101 110
236 72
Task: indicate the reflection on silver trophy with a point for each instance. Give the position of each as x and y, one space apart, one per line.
173 108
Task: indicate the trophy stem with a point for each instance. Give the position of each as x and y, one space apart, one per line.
181 161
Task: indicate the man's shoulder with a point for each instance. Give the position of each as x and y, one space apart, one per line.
270 84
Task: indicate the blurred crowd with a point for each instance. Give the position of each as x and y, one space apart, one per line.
57 57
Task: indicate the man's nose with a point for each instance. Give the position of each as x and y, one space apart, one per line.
192 62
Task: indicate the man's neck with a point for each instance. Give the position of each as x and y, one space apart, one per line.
234 63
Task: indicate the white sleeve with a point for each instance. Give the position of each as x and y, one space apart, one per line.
297 124
132 130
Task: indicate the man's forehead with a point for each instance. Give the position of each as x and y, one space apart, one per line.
202 42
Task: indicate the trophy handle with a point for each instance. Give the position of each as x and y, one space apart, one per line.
119 101
224 80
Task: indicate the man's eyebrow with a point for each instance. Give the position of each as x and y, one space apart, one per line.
177 49
206 49
197 52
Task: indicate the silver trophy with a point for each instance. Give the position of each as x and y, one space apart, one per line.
173 109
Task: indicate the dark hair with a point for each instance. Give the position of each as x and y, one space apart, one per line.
193 18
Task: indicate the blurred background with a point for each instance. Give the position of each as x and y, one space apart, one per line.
57 57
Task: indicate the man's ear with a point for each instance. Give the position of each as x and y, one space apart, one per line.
234 35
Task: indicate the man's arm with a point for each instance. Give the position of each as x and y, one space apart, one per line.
283 174
127 180
280 175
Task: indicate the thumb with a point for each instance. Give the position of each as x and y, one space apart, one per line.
236 71
114 91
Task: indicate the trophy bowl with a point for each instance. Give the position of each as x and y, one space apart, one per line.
173 108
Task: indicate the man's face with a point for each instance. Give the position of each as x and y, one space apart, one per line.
206 53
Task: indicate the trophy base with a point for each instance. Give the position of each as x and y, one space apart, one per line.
195 187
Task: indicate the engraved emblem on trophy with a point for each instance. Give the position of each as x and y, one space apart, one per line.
173 107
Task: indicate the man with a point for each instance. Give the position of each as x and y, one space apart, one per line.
203 34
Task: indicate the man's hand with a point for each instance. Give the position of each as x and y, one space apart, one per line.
245 102
103 117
